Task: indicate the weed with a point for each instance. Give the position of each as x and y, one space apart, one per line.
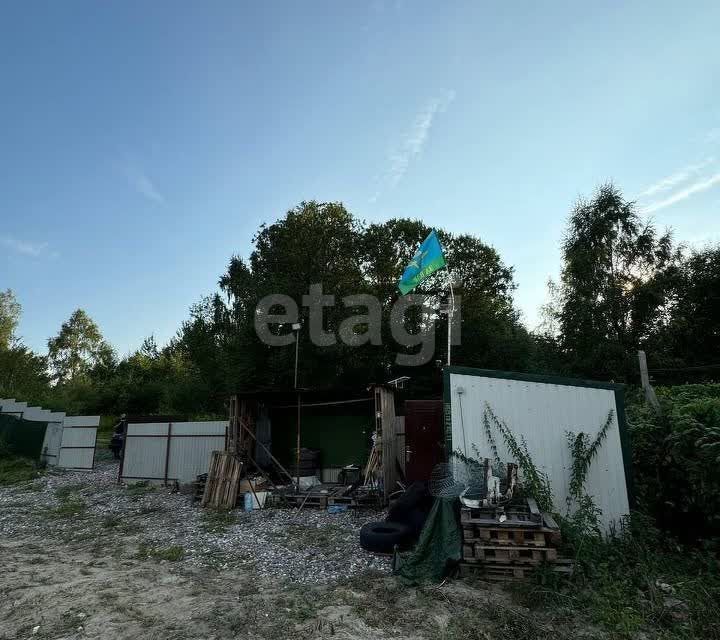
137 489
69 508
217 521
64 492
172 553
16 470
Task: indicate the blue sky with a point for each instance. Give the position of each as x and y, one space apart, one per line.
142 143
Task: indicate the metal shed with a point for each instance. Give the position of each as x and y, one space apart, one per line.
541 410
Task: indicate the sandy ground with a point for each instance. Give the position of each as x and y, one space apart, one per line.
82 557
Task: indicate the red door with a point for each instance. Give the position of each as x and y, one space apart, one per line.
424 441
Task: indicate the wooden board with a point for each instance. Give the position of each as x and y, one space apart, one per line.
221 488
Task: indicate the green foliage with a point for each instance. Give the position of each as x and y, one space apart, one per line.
77 348
14 470
9 317
172 553
535 483
637 582
675 458
582 452
609 293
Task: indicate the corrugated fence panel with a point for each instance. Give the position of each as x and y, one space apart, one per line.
77 447
190 445
542 414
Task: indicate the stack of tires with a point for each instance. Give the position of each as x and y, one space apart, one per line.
309 462
406 519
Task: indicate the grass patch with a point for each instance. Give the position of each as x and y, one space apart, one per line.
15 470
63 493
69 508
217 521
137 489
303 537
172 553
640 582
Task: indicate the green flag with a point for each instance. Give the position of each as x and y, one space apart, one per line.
426 261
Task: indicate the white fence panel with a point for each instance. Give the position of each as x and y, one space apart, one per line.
169 452
79 436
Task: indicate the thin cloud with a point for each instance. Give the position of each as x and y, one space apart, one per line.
23 247
674 179
697 187
142 183
413 141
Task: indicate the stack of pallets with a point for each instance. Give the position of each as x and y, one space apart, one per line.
508 543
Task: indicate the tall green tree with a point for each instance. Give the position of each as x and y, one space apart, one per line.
78 347
688 331
10 310
609 289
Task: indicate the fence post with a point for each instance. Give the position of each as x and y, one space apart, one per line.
645 382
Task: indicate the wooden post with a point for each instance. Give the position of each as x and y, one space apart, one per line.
645 381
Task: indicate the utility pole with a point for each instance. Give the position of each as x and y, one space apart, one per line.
296 328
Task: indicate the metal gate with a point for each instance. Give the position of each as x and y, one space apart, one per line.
77 448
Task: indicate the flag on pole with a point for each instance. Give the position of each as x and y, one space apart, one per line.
426 261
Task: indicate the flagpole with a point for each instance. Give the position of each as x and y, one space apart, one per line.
451 310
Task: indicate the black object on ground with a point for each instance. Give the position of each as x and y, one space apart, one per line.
383 537
412 508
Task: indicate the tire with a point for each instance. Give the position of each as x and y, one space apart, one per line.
383 537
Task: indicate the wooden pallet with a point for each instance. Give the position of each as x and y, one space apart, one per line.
509 572
507 537
221 488
508 555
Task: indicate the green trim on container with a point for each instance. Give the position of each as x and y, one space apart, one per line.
618 389
534 377
625 446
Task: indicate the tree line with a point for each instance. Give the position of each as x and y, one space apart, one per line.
623 286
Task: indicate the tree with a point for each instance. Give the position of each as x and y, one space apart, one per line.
10 310
324 243
688 333
78 347
610 290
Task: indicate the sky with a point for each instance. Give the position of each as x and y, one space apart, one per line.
143 143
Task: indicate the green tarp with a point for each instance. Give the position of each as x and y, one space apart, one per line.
439 547
21 437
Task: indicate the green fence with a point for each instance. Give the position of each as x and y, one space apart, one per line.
21 437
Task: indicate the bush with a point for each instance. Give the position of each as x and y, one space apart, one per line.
676 459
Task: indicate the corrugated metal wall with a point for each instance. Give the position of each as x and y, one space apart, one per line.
173 451
542 413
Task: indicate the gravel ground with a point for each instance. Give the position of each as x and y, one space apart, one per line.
83 557
311 546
